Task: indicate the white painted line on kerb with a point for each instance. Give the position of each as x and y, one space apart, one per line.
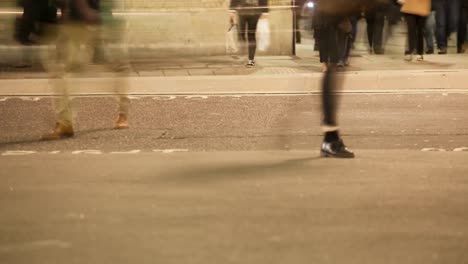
167 151
93 152
18 153
461 149
136 151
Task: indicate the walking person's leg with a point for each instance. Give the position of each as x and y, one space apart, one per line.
251 35
243 33
429 33
441 25
69 43
453 16
117 57
412 36
332 145
461 36
370 20
420 23
379 21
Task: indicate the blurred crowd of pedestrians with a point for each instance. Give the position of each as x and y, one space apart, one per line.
430 24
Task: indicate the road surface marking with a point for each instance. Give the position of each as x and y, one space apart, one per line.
135 151
18 153
196 97
164 98
92 151
433 149
170 150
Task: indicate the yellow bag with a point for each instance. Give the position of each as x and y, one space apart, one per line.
417 7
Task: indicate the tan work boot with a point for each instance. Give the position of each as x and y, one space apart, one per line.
60 131
121 122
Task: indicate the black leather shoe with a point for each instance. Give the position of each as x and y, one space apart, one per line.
335 149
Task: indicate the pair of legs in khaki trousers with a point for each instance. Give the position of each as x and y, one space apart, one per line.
73 50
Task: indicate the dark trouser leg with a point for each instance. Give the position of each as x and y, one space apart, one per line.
462 28
329 97
412 34
420 23
328 45
429 31
354 20
344 46
252 21
243 31
453 15
370 29
441 23
379 21
329 55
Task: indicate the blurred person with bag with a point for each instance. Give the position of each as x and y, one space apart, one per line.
84 24
461 37
249 12
415 12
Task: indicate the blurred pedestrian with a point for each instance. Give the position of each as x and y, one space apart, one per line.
248 13
429 30
298 8
461 36
415 12
84 21
375 19
328 17
447 15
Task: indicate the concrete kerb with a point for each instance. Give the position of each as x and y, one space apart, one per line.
453 81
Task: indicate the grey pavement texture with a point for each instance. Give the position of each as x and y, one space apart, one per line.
235 207
242 122
236 179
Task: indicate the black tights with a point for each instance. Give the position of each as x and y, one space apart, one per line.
329 97
415 33
248 23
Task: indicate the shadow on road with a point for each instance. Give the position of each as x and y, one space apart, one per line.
38 140
230 172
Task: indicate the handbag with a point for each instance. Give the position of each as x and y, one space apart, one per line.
232 41
263 34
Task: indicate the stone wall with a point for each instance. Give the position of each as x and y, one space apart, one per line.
194 27
164 28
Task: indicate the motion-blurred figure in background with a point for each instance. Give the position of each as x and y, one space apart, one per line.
415 12
462 26
429 30
447 15
249 12
84 24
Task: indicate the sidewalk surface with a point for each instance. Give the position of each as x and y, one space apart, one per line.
292 74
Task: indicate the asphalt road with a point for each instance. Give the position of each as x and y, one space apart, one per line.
232 123
236 179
